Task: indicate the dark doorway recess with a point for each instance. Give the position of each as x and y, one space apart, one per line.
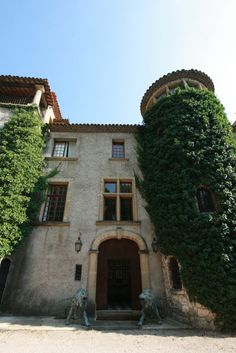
118 275
4 269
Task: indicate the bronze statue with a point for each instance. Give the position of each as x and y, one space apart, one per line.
149 307
79 305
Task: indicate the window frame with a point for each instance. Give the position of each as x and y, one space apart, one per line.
65 153
200 205
114 154
118 196
48 197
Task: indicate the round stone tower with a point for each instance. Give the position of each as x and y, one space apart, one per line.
176 79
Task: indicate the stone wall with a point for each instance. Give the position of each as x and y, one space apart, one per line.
182 308
42 276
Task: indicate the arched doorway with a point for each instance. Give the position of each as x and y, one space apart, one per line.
118 275
4 269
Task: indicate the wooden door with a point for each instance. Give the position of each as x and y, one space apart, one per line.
118 275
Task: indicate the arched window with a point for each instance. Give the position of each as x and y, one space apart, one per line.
205 200
174 274
4 269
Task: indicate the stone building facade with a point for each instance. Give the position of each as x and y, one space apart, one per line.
93 230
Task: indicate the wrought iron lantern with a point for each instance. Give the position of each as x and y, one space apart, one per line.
78 244
155 245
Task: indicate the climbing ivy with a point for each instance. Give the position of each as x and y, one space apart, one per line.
21 164
186 141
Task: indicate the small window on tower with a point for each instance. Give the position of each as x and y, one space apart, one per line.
205 200
118 149
174 272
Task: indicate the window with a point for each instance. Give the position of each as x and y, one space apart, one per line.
55 203
118 198
205 200
60 149
174 274
118 149
78 272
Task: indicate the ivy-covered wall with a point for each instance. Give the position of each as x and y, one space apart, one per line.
186 142
21 164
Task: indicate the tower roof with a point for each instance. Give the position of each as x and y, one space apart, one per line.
187 75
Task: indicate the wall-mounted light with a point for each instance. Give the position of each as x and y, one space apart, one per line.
78 243
155 245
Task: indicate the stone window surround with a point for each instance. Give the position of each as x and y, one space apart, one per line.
120 142
69 140
167 278
60 149
55 203
65 221
114 141
134 202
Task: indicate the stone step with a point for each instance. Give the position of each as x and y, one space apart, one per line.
131 315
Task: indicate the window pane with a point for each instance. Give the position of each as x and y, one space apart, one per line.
109 209
118 150
60 149
126 209
126 187
110 187
55 203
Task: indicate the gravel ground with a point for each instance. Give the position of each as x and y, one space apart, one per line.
130 341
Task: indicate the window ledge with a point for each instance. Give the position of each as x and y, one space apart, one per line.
61 158
52 224
118 223
118 159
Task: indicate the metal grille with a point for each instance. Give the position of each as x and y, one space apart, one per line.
78 272
118 150
55 203
119 271
61 149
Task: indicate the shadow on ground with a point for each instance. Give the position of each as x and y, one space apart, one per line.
41 323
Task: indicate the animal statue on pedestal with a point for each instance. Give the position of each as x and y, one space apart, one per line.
79 306
149 307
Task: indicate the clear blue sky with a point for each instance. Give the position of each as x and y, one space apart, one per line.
101 56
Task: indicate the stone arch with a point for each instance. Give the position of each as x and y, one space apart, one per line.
119 234
93 258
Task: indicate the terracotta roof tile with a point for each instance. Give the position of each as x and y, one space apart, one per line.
56 107
21 82
56 126
175 75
